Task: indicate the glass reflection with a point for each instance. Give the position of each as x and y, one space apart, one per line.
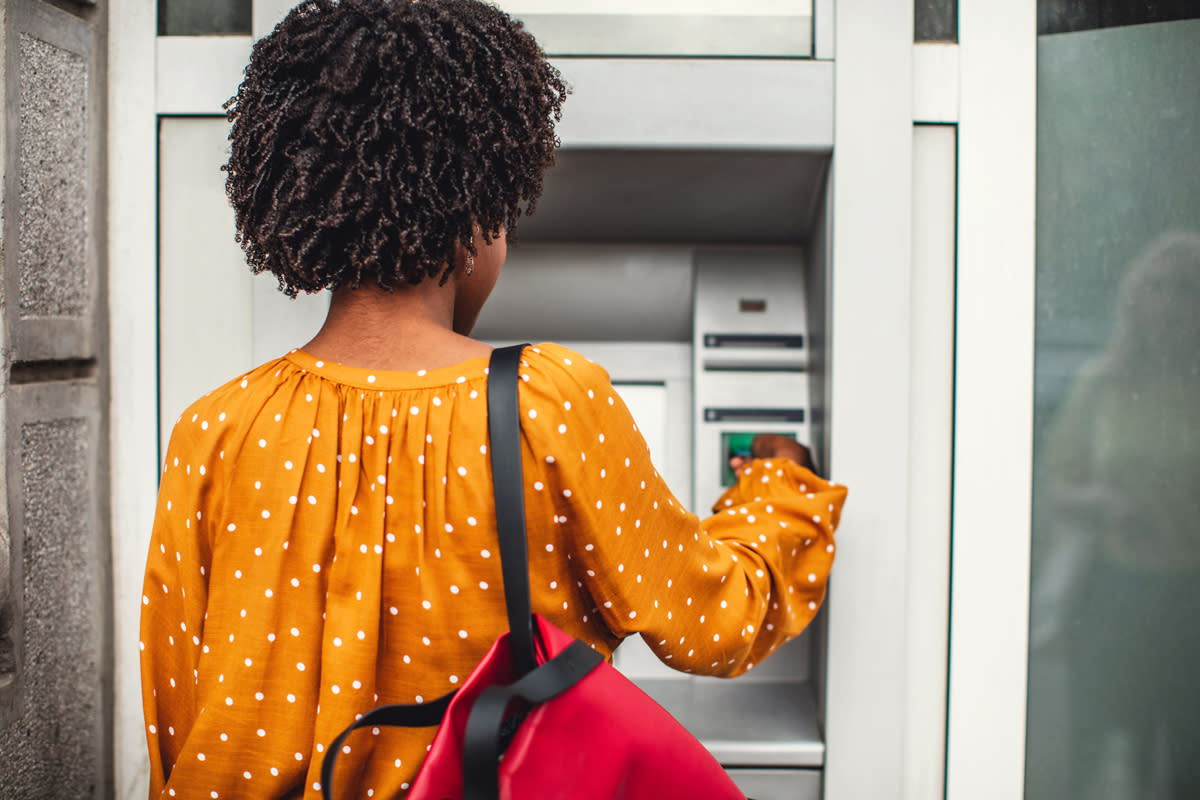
935 21
1114 702
1119 589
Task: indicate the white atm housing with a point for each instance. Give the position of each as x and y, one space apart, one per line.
748 356
698 278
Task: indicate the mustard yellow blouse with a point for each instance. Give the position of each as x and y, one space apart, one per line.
324 543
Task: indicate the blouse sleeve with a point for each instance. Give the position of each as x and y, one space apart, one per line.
714 595
174 601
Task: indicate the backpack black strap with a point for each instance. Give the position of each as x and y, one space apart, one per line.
483 738
407 715
504 445
484 735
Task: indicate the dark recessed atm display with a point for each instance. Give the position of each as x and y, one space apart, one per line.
736 448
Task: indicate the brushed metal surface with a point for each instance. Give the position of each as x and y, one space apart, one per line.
763 724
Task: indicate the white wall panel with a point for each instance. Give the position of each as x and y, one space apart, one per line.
935 82
713 103
216 319
197 74
204 299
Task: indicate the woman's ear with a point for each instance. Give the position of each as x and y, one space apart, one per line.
476 279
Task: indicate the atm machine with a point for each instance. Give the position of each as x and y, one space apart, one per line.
698 279
711 325
682 242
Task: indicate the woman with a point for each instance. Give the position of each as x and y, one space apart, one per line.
325 539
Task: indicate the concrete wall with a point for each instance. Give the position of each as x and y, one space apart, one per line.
55 641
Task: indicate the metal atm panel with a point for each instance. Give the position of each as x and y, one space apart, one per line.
749 353
699 281
749 362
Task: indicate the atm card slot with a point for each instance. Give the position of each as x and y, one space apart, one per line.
754 415
754 340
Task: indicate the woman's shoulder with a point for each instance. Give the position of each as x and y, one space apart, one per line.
245 387
555 368
213 415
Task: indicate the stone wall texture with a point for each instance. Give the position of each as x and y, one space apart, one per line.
49 749
55 585
53 181
52 259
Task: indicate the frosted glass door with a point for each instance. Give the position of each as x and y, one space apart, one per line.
1114 650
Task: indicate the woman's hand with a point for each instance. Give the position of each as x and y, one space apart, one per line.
772 445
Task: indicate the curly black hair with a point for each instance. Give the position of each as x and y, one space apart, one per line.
371 137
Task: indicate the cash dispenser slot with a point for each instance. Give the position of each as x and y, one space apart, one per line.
790 341
755 360
754 352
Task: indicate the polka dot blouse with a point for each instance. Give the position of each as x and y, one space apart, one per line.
325 542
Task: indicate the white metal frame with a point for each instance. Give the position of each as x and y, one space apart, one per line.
931 415
870 337
993 449
931 426
824 23
132 309
935 82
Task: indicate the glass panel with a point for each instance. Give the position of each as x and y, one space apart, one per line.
1114 704
935 21
203 17
1062 16
776 28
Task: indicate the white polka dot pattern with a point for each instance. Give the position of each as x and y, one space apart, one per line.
325 542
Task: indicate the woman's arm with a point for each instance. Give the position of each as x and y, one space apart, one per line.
713 595
174 601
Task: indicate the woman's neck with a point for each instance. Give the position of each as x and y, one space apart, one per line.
406 329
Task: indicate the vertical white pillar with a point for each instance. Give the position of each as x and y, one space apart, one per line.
993 446
869 363
133 410
931 428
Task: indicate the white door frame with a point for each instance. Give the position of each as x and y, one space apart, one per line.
871 386
133 359
993 436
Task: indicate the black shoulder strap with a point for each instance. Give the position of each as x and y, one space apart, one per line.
482 740
504 445
410 715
